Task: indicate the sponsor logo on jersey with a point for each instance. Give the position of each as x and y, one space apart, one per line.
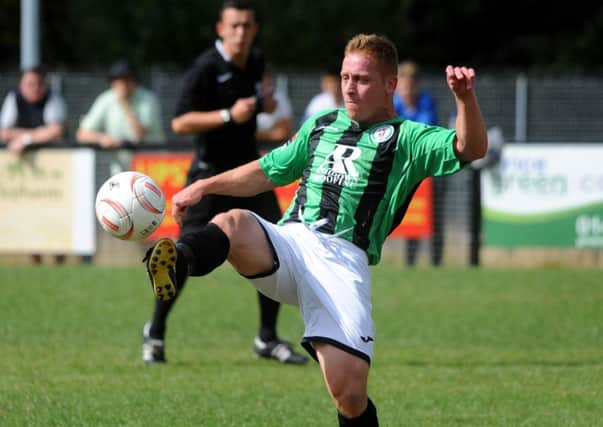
382 134
338 167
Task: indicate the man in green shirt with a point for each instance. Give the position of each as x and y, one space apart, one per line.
124 114
359 167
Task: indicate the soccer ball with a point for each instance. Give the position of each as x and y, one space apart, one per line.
130 206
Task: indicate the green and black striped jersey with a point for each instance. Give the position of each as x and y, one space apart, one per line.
358 180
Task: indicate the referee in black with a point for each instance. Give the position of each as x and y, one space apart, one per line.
218 104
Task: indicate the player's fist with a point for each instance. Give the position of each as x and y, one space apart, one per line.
460 79
243 109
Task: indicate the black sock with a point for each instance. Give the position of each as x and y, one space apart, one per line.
268 313
162 310
198 254
204 250
367 419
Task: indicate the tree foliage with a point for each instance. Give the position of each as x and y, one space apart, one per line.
301 33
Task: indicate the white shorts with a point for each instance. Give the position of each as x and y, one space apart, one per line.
329 279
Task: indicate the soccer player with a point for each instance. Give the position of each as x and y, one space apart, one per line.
219 104
358 167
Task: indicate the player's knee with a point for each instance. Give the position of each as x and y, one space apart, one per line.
350 399
230 222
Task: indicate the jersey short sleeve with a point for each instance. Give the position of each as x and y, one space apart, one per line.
286 163
432 148
194 93
55 110
8 114
95 118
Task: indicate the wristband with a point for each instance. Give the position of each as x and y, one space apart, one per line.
225 114
26 139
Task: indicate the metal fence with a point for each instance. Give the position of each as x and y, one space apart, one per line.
530 109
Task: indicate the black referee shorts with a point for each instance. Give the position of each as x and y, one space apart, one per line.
263 204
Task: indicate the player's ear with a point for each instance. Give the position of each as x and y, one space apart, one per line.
391 81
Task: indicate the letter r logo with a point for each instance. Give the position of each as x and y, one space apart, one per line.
343 158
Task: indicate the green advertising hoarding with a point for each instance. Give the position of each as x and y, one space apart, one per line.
544 195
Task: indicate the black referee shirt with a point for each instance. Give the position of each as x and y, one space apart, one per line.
213 83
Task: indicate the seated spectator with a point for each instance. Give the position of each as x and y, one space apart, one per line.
274 128
31 114
329 97
124 114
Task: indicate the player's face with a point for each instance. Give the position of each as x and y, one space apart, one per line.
123 87
32 87
237 29
367 92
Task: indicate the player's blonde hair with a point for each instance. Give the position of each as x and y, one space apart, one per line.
377 46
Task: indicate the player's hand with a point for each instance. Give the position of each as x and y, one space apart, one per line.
120 89
460 79
107 141
269 103
16 146
243 109
188 196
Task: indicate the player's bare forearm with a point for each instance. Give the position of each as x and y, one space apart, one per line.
196 121
472 139
277 134
9 134
48 133
138 130
244 181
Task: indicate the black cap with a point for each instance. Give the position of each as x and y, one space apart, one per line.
121 69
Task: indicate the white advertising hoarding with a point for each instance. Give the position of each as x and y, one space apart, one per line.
47 202
545 195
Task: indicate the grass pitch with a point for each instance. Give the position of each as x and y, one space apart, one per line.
453 348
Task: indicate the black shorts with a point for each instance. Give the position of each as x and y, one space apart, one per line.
263 204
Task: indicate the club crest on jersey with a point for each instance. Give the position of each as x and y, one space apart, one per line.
382 134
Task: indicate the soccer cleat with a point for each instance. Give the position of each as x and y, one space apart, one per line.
161 262
153 349
279 350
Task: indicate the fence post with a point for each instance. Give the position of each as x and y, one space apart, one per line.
475 221
521 108
30 34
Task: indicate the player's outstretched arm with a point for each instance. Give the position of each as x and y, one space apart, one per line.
472 139
244 181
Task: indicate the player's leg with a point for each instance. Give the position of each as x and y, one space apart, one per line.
266 206
412 247
153 347
235 235
346 378
439 202
267 343
198 253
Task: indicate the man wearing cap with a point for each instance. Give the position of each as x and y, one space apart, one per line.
124 114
